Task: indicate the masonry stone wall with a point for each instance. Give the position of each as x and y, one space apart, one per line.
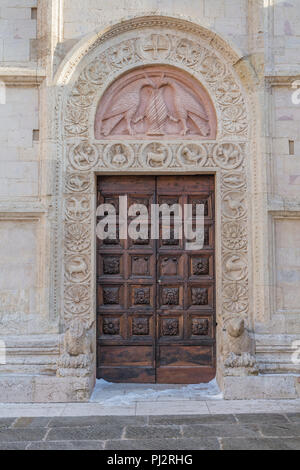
36 40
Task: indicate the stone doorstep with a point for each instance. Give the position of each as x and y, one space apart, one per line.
47 390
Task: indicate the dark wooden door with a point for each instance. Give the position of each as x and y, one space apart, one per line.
155 298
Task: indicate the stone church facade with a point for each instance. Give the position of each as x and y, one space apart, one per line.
219 84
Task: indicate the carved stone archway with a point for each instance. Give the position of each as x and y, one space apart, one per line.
82 81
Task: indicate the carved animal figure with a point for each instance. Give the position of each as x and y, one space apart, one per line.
156 159
185 106
190 156
77 266
124 106
234 264
76 340
155 101
235 206
238 340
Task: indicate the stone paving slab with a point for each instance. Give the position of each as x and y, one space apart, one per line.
164 444
260 444
157 408
177 432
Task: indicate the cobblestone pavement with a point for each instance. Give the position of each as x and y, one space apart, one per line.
194 432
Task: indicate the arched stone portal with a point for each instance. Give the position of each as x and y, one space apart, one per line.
225 149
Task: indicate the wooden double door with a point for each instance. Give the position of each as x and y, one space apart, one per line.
156 299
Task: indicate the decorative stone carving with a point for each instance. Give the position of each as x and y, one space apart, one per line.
212 68
155 46
234 206
208 66
193 154
121 55
155 155
118 156
235 267
235 120
170 296
228 156
83 156
155 102
76 121
235 298
140 326
187 52
77 208
200 326
170 327
234 235
77 268
199 296
76 341
77 183
234 179
238 347
77 237
238 341
77 299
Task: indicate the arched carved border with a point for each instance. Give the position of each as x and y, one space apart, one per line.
210 60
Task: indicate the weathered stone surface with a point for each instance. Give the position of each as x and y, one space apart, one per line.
70 445
192 419
260 444
164 444
85 433
149 432
221 430
53 57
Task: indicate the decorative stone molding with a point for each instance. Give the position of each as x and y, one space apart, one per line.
130 46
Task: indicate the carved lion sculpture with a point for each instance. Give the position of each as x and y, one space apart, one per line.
76 340
238 340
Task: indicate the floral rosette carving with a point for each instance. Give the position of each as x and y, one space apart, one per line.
235 119
234 235
76 121
235 297
77 237
77 299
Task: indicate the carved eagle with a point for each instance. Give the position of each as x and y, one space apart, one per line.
155 101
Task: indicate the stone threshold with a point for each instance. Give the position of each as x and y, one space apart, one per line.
155 408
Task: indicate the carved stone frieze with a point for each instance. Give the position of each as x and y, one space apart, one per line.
153 138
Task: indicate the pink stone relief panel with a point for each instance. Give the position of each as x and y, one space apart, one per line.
155 102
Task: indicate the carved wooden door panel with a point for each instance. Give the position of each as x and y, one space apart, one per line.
185 315
155 299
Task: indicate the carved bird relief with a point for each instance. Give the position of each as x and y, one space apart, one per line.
154 106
